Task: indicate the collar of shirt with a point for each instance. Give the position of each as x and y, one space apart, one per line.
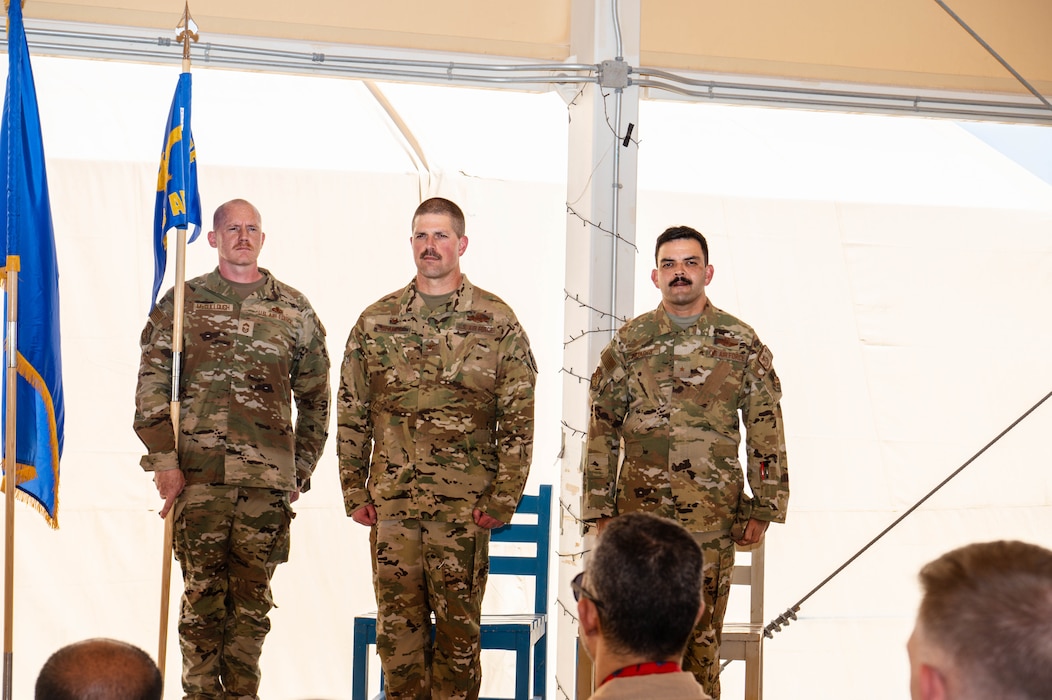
645 669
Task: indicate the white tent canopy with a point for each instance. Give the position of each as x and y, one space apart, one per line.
897 267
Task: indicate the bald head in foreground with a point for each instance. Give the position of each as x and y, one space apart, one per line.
99 669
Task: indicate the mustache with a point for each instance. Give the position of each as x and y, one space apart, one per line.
680 282
430 253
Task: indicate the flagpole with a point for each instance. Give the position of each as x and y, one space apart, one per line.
186 35
10 454
174 407
10 467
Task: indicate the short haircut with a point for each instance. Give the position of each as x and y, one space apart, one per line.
645 573
221 211
988 606
99 669
676 233
440 205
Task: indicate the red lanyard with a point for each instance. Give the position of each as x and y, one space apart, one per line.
646 669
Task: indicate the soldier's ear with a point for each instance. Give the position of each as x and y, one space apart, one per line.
709 270
588 617
932 683
654 278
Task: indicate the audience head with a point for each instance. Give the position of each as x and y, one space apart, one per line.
99 669
984 626
641 590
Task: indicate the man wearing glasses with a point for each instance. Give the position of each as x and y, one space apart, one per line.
637 604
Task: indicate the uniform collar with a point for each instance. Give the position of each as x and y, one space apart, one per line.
666 325
411 303
269 290
648 668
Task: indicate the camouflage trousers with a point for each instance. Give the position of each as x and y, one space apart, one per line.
703 651
422 568
228 541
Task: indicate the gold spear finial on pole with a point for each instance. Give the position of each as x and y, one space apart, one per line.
187 32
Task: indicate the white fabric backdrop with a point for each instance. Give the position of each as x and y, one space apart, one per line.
897 268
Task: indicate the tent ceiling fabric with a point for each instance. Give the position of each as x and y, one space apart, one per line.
907 44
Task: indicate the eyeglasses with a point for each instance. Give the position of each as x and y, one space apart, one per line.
579 591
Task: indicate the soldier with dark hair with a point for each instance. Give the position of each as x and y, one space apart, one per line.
99 669
984 627
670 388
253 345
435 426
637 603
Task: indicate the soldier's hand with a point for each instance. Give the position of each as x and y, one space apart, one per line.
294 495
485 521
366 515
753 532
170 483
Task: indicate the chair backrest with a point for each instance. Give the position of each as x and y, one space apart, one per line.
750 574
537 532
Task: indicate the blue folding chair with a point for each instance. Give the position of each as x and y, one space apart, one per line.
523 633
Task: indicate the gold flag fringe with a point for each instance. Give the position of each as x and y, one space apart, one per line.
29 500
27 472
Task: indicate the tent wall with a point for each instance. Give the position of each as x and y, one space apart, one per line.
908 324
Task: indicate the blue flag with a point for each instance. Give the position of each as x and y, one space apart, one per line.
29 246
178 202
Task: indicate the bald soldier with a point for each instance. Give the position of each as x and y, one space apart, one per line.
99 669
252 345
435 416
671 385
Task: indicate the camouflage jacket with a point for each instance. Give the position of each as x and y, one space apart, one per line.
673 396
243 363
435 408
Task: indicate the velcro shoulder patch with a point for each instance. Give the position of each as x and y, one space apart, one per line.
765 358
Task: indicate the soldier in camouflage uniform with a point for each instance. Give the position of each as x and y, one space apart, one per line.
435 427
251 345
670 387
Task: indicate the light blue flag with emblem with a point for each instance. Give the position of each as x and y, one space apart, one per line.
29 247
178 202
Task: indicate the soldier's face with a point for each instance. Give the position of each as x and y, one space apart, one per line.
436 248
238 236
682 275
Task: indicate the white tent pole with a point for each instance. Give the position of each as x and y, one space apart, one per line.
600 261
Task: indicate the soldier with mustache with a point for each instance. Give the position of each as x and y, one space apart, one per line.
254 408
668 391
435 427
